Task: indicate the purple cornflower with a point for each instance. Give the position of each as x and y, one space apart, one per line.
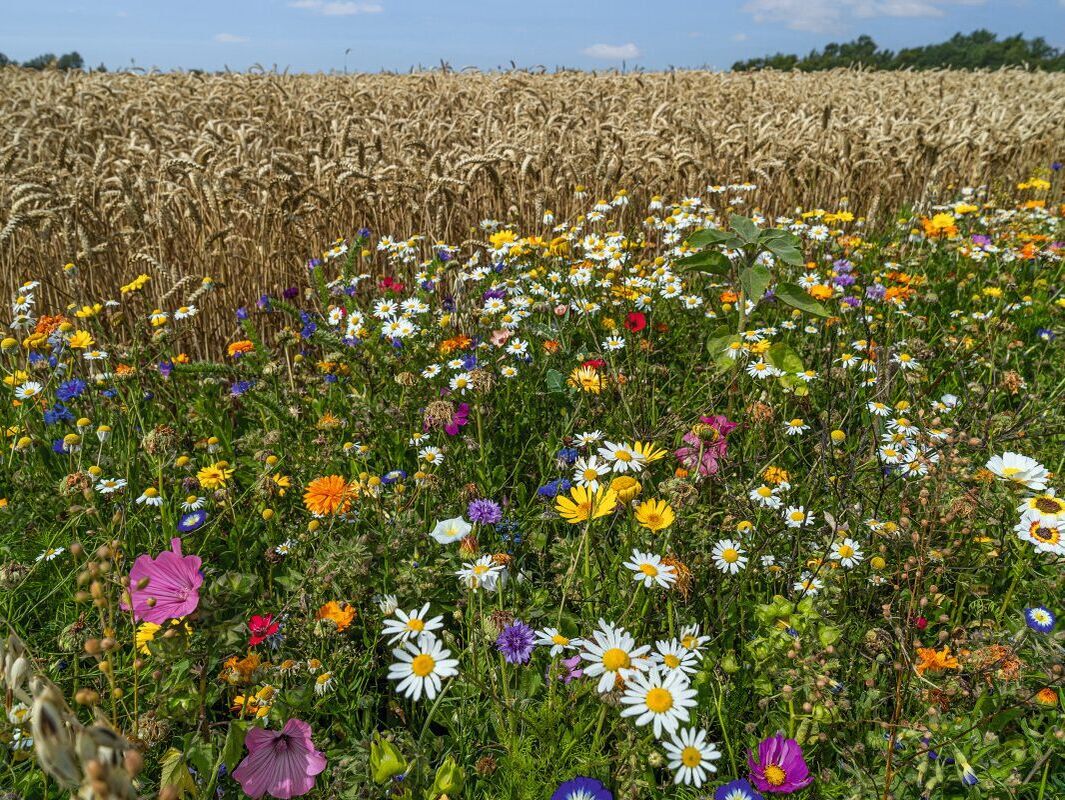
853 302
68 390
738 789
487 512
876 292
165 368
515 642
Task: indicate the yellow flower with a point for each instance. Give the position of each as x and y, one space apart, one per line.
586 379
655 515
582 505
649 450
626 488
214 476
80 340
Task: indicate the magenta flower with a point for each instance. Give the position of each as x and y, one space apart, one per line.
282 764
780 766
706 453
165 587
459 418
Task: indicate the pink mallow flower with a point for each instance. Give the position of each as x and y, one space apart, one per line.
281 764
165 587
780 766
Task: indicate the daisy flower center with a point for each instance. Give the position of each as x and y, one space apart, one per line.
1009 472
649 569
615 658
590 474
415 624
730 555
671 661
559 639
422 665
1048 505
846 551
659 700
691 757
775 775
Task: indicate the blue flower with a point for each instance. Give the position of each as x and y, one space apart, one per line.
1046 334
1040 619
738 789
58 413
240 387
191 521
582 789
69 390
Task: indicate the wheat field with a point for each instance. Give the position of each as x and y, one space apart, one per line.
244 176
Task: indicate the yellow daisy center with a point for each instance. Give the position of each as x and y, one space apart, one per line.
422 665
659 700
730 555
559 639
845 551
415 624
775 775
615 658
623 455
649 569
590 474
691 757
671 661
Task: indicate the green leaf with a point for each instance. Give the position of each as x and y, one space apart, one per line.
787 361
176 774
556 382
713 236
744 227
707 261
796 297
755 280
233 748
783 244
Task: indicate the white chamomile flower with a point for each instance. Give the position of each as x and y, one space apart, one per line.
420 666
408 625
612 654
728 556
691 756
649 569
661 698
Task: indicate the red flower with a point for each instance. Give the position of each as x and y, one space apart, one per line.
921 623
262 628
390 284
594 363
635 321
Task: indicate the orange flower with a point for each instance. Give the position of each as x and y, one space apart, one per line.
339 612
329 495
932 660
457 343
240 670
551 346
1046 697
820 291
729 296
240 348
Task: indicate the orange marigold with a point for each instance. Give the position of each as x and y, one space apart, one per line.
328 495
932 660
240 348
339 612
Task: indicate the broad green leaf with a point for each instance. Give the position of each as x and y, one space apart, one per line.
786 253
233 748
556 381
755 280
707 261
713 236
783 244
784 358
796 297
717 345
744 227
176 774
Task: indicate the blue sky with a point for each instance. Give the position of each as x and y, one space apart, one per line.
313 35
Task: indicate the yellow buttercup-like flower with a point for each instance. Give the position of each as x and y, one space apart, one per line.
655 515
584 505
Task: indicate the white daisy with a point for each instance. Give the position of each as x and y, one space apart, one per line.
420 666
728 556
408 625
551 637
663 699
612 653
622 458
649 569
691 756
483 573
847 553
1019 469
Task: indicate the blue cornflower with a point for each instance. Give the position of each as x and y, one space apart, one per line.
516 642
69 390
738 789
58 413
240 387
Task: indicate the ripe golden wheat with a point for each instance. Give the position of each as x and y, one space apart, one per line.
244 176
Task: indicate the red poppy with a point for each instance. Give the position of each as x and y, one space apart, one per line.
390 284
594 363
262 627
635 321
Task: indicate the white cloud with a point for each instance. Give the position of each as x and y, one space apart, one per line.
337 9
822 16
613 52
229 38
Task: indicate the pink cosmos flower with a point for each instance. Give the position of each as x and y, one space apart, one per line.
780 766
165 587
281 763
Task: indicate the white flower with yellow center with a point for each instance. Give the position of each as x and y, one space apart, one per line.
451 530
728 556
420 666
808 584
797 517
409 625
483 573
691 756
691 639
1046 506
765 496
622 458
794 427
588 470
649 569
551 637
847 553
673 655
1019 469
1045 534
661 698
612 653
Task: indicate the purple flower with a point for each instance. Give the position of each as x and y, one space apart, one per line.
738 789
780 767
876 292
853 302
571 669
459 418
515 642
191 521
487 512
981 240
240 387
290 293
242 313
165 368
582 789
281 763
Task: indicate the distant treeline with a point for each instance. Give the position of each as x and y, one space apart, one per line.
50 61
980 49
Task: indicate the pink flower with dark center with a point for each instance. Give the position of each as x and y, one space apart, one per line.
282 764
262 628
706 452
165 587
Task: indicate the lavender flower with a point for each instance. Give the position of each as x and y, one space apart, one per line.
486 512
515 642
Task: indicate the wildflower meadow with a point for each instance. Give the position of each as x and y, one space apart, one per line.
670 497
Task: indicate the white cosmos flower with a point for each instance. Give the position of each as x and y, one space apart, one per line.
1019 469
691 756
409 625
612 653
663 699
451 530
420 665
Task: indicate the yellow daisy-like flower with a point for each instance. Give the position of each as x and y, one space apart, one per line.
214 476
146 633
649 450
583 505
80 340
625 487
655 515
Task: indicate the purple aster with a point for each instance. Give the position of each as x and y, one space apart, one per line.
486 512
582 789
515 642
853 302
